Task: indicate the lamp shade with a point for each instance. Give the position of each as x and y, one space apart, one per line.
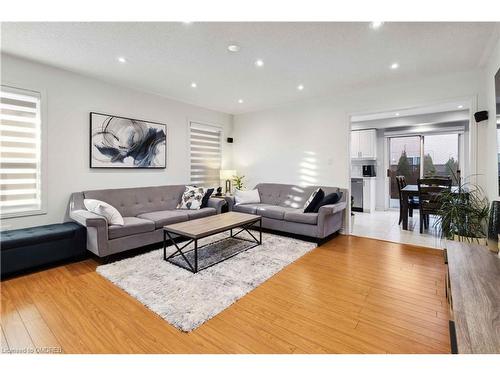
227 174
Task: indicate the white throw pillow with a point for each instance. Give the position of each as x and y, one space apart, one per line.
245 197
192 198
101 208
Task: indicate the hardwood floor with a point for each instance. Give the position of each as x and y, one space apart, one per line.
351 295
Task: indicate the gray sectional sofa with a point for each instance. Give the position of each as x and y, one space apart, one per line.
281 209
145 211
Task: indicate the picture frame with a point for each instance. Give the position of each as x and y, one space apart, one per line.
117 142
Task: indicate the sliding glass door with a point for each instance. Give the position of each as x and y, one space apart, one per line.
404 160
420 156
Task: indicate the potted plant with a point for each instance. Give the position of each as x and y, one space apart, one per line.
238 182
464 214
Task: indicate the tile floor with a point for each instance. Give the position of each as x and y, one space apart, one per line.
383 225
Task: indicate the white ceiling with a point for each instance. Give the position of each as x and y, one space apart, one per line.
164 58
453 106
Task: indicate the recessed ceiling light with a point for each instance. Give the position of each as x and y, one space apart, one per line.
233 48
187 22
376 24
300 87
240 101
397 113
460 106
194 85
259 63
121 59
394 65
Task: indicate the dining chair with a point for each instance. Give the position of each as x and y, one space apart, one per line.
412 201
429 193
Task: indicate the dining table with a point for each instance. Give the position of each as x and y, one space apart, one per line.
410 191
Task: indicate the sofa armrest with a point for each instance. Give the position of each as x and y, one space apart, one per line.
88 219
230 202
216 203
97 229
331 209
330 218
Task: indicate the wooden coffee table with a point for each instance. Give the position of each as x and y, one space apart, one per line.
197 229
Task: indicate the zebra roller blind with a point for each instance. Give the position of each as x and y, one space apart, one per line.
206 154
20 155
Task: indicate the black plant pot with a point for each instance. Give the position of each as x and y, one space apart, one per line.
494 226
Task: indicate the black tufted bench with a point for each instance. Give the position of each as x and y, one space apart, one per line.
23 249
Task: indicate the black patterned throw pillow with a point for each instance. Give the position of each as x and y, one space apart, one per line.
329 199
313 200
206 197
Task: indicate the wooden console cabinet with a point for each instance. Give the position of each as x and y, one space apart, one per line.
473 292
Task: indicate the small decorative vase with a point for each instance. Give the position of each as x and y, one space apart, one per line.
494 226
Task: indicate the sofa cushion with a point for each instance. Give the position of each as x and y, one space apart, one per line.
297 216
136 201
248 208
132 225
202 212
292 196
162 218
272 212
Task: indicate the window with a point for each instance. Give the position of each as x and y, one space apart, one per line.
441 156
404 160
20 152
206 154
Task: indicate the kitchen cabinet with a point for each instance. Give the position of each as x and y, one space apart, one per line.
364 144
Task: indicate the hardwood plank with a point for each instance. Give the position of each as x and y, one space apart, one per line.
302 344
350 295
397 342
16 334
431 330
40 333
3 344
147 327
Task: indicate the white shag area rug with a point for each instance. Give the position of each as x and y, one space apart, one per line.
187 300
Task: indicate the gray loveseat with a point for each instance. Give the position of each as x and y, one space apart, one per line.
281 209
145 211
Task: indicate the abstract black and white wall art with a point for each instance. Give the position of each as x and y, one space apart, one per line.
119 142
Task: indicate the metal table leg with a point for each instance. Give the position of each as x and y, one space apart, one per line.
164 245
260 231
195 256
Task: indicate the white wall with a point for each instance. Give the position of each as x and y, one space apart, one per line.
68 99
381 201
487 159
308 141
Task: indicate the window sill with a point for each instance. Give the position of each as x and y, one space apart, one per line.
23 214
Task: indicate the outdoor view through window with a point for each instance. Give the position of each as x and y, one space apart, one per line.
422 156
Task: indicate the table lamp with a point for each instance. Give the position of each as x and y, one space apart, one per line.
227 175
